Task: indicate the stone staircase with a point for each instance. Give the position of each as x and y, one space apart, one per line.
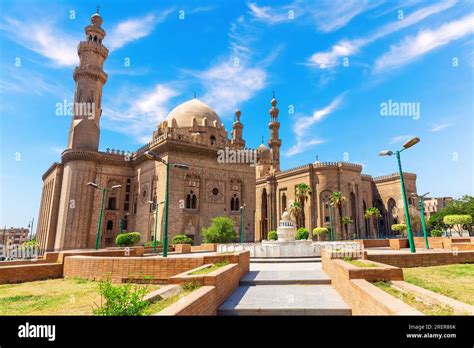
285 288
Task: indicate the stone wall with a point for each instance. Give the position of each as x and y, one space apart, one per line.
199 302
28 273
423 259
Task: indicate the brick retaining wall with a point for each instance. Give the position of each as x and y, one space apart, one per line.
423 259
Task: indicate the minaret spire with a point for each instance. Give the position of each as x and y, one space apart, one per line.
237 130
274 142
90 78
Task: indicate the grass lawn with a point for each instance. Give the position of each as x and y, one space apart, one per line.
455 281
210 269
52 297
362 264
409 299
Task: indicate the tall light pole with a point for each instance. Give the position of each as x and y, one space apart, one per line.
154 157
422 217
156 225
122 223
103 190
242 222
407 145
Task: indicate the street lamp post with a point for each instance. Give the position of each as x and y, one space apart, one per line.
156 225
122 223
154 157
103 191
407 145
422 218
242 222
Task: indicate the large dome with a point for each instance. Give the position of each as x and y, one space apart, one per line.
184 113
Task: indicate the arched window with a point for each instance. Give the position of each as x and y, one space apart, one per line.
191 200
234 203
212 139
110 225
283 202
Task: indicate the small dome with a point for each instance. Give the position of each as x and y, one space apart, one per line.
285 216
262 148
96 19
194 108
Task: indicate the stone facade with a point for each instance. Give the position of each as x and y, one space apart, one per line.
192 135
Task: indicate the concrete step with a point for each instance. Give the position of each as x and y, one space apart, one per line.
283 277
286 260
284 300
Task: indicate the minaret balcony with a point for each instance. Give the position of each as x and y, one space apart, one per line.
92 46
90 72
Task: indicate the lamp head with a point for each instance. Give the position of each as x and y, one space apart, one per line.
181 166
116 187
93 184
411 142
386 153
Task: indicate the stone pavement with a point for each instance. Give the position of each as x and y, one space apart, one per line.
285 288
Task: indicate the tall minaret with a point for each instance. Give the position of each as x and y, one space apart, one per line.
89 77
274 142
237 128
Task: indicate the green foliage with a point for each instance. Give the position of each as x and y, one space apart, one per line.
272 235
372 212
347 258
436 233
190 286
301 234
121 300
463 206
320 231
127 239
399 228
451 220
346 220
29 244
181 239
295 210
221 231
150 243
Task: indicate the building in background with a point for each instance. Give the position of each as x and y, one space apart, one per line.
432 205
14 236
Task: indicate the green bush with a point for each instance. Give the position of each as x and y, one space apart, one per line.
457 219
320 231
220 231
399 228
181 239
150 243
123 300
127 239
29 244
272 235
436 233
302 233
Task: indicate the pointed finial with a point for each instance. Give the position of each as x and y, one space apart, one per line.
262 139
194 94
97 9
273 94
237 115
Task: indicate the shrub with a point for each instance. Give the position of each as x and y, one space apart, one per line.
128 239
220 231
123 300
320 231
436 233
302 233
150 243
272 235
399 228
181 239
458 219
190 286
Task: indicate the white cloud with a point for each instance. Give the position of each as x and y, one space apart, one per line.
346 48
302 126
134 29
413 47
439 127
139 117
400 139
268 14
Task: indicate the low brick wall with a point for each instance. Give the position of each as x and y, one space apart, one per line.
423 259
30 272
363 297
204 247
199 302
137 268
182 248
373 243
398 243
225 279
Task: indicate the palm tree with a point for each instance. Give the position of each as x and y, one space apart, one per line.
302 192
371 213
346 221
295 210
337 200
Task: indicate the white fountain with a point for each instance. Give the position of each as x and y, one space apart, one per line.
286 246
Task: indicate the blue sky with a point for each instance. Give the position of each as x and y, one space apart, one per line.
331 64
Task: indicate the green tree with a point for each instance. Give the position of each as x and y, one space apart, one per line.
302 193
221 231
295 210
346 221
401 228
272 235
320 231
459 221
372 213
337 200
463 206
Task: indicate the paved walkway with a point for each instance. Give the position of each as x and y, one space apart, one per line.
285 289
